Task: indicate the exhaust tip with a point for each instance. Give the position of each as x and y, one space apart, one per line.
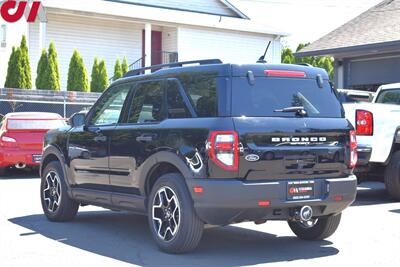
306 213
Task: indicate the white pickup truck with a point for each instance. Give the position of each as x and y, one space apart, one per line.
377 127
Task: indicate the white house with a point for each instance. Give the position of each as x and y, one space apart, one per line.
146 32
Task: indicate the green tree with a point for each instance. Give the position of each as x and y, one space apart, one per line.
117 70
54 72
15 72
95 76
77 74
10 78
25 64
103 76
124 66
42 71
287 56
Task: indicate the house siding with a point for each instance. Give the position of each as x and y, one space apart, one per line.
230 47
92 37
170 39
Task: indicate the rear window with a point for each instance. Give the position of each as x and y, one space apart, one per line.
22 124
391 96
270 94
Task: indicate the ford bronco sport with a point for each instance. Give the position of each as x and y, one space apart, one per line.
211 143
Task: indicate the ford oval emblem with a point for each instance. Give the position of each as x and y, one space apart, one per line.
252 157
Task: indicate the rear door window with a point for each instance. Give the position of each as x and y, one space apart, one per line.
176 106
202 91
391 96
271 94
147 104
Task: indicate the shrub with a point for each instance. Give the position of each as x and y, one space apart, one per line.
15 73
77 74
25 64
54 72
42 71
124 66
10 78
117 70
95 76
103 76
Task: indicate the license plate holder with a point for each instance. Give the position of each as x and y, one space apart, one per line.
300 190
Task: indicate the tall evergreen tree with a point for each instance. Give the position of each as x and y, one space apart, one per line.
117 70
54 72
42 77
95 76
10 78
124 66
77 74
25 63
103 76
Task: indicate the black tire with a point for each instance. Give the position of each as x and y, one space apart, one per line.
323 228
67 208
190 227
392 176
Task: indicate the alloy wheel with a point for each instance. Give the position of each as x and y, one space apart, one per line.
166 213
52 191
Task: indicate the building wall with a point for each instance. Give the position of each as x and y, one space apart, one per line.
92 37
170 39
232 47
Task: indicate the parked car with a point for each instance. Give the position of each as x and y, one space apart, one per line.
210 143
377 126
354 96
21 138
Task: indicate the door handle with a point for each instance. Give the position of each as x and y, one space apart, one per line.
146 138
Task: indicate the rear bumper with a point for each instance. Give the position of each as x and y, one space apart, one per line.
364 155
10 157
230 201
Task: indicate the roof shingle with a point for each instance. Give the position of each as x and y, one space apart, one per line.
379 24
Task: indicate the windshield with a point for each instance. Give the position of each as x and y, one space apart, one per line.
271 94
391 96
29 124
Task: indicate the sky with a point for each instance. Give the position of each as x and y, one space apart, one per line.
305 20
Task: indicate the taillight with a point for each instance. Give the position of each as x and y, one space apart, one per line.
364 122
223 149
353 150
8 139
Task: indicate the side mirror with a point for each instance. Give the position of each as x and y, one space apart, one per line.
77 120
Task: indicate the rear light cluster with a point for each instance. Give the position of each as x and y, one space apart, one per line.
285 73
364 122
353 150
6 141
223 149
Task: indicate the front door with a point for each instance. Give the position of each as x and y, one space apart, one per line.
88 146
156 47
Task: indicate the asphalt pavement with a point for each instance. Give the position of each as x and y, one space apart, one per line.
369 235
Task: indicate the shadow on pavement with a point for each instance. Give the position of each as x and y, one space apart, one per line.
372 193
12 174
126 237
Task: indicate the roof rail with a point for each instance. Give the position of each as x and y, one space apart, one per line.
172 65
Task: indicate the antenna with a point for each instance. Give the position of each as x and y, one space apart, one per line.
262 58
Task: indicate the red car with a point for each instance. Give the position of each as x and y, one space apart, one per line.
21 138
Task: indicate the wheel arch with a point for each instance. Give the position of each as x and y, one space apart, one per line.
159 164
52 153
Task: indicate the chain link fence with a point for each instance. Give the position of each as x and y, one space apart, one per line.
63 103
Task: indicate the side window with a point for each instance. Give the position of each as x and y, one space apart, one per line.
176 107
203 92
108 109
147 104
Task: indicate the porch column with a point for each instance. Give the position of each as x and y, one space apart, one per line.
147 49
42 36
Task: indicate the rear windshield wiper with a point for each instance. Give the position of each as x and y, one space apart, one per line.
300 111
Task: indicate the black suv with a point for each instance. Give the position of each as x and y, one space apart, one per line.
208 143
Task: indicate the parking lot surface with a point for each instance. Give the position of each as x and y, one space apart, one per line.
369 235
